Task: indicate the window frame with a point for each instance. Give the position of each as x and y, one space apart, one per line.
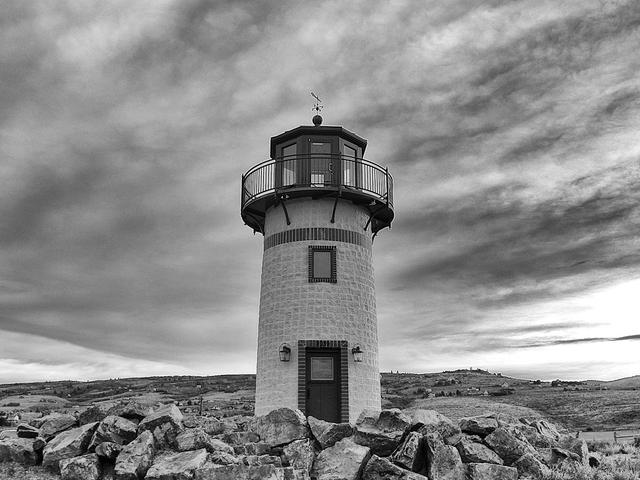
322 248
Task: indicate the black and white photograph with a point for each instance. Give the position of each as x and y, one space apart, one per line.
325 240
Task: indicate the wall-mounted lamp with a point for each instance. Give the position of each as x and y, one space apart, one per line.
357 353
285 352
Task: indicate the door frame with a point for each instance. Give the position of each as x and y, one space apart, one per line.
343 396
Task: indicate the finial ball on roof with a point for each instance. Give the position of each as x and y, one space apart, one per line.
317 120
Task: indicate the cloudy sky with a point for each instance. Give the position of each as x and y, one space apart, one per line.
511 129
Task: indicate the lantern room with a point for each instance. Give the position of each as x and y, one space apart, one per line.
317 161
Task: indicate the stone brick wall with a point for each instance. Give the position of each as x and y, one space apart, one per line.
292 308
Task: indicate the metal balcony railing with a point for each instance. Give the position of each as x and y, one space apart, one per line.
314 172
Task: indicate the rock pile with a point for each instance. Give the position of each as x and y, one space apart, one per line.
134 443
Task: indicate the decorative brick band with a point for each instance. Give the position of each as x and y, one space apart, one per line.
314 233
344 373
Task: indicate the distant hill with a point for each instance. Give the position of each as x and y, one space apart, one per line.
627 382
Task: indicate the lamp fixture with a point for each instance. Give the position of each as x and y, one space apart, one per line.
285 352
357 353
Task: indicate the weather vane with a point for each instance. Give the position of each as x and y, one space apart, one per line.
317 106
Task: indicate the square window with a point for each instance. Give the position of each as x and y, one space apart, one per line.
322 264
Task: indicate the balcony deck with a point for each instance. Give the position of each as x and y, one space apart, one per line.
317 175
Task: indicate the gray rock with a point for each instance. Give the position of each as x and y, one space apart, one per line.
53 424
382 434
108 450
27 431
210 425
481 425
196 438
430 421
255 460
560 455
490 471
506 444
393 419
546 429
577 446
135 458
71 443
167 414
95 413
177 466
380 468
443 461
476 452
281 426
258 448
132 410
239 438
86 467
212 471
113 429
327 433
411 453
344 461
529 466
165 436
300 454
27 451
223 458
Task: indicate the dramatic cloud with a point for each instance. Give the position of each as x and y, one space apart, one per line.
510 128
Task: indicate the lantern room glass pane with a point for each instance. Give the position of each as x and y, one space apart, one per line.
289 165
349 166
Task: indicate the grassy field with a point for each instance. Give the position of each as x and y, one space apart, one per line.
589 405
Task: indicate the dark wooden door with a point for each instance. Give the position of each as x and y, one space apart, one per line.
323 384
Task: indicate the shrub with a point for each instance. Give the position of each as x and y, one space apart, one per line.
636 442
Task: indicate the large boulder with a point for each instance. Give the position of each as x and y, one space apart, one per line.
132 410
196 438
344 461
71 443
53 424
411 453
113 429
177 466
300 454
95 413
382 434
472 451
577 446
212 471
481 425
27 431
108 450
507 444
135 458
327 433
27 451
86 467
529 466
430 421
281 426
490 471
380 468
167 414
443 461
210 425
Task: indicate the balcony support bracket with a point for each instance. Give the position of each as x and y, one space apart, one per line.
335 204
281 199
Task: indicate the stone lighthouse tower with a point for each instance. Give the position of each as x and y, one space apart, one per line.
318 204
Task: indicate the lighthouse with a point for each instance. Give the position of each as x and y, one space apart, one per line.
319 205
